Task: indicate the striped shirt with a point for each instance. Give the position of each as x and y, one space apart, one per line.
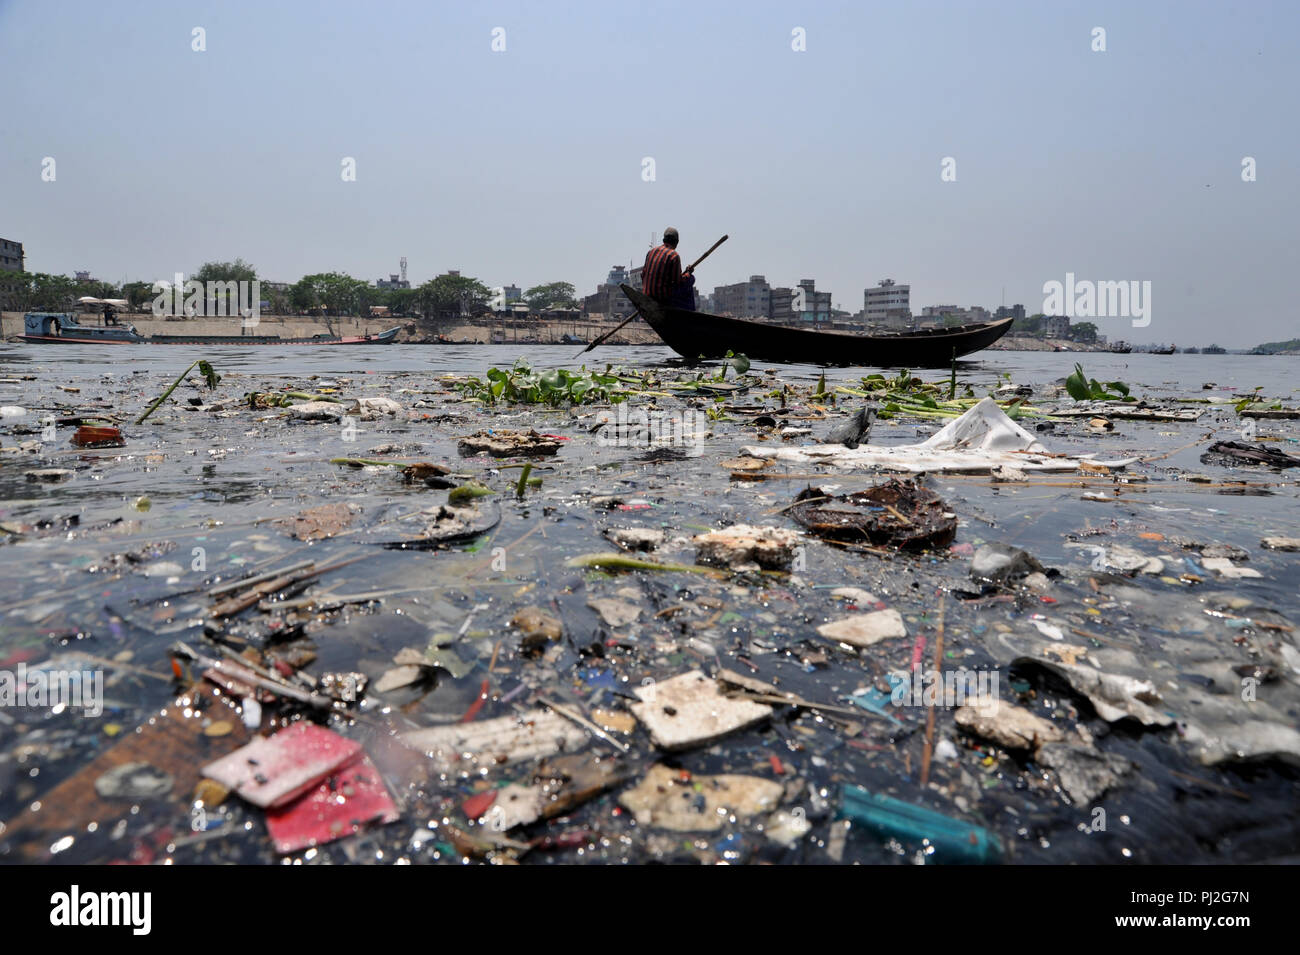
662 272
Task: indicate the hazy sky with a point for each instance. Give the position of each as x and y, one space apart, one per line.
526 165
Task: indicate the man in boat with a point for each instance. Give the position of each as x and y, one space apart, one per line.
662 277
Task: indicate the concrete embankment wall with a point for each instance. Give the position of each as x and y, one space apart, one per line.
294 326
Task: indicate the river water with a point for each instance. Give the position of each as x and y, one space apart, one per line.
91 562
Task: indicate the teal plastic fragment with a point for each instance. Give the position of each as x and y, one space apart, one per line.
873 701
954 841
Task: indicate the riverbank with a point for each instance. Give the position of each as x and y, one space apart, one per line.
481 332
293 326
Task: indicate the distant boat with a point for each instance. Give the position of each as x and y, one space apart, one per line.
700 335
63 328
1120 348
1164 351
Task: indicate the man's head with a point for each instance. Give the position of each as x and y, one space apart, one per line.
670 237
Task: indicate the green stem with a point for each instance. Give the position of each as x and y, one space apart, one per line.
163 397
623 562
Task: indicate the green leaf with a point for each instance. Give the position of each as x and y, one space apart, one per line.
209 375
1077 385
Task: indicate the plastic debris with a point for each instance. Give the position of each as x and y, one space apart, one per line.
1114 696
615 612
1084 772
863 630
1012 727
1281 543
369 409
1226 568
171 742
853 432
488 743
537 626
635 538
134 781
504 444
895 514
322 521
668 799
444 525
351 798
690 710
999 563
316 411
1235 453
275 770
981 439
49 475
90 436
743 547
951 840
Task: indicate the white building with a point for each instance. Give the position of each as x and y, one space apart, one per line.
887 303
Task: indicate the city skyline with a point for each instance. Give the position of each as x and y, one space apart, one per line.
1002 152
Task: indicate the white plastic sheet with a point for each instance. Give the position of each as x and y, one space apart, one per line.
980 440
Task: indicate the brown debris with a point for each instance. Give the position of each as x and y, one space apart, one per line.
898 513
318 523
504 444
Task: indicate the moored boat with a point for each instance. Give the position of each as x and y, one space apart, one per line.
700 335
63 328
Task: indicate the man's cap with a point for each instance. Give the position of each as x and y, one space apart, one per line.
670 233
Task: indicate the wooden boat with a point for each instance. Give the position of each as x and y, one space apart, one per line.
1163 351
699 335
63 328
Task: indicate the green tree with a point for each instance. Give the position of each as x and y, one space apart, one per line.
336 292
224 300
540 298
452 297
56 293
16 291
306 293
139 294
281 299
403 301
1029 325
1083 332
236 271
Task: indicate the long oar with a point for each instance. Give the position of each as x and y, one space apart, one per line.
636 311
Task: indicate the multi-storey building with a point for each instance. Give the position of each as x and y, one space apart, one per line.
887 304
752 299
11 256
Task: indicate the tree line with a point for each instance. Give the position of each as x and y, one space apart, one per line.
322 293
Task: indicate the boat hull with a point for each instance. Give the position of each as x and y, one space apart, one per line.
700 335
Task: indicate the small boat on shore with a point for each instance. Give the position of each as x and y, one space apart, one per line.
700 335
63 328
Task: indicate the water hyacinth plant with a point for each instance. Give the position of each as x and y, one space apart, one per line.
1086 389
556 387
